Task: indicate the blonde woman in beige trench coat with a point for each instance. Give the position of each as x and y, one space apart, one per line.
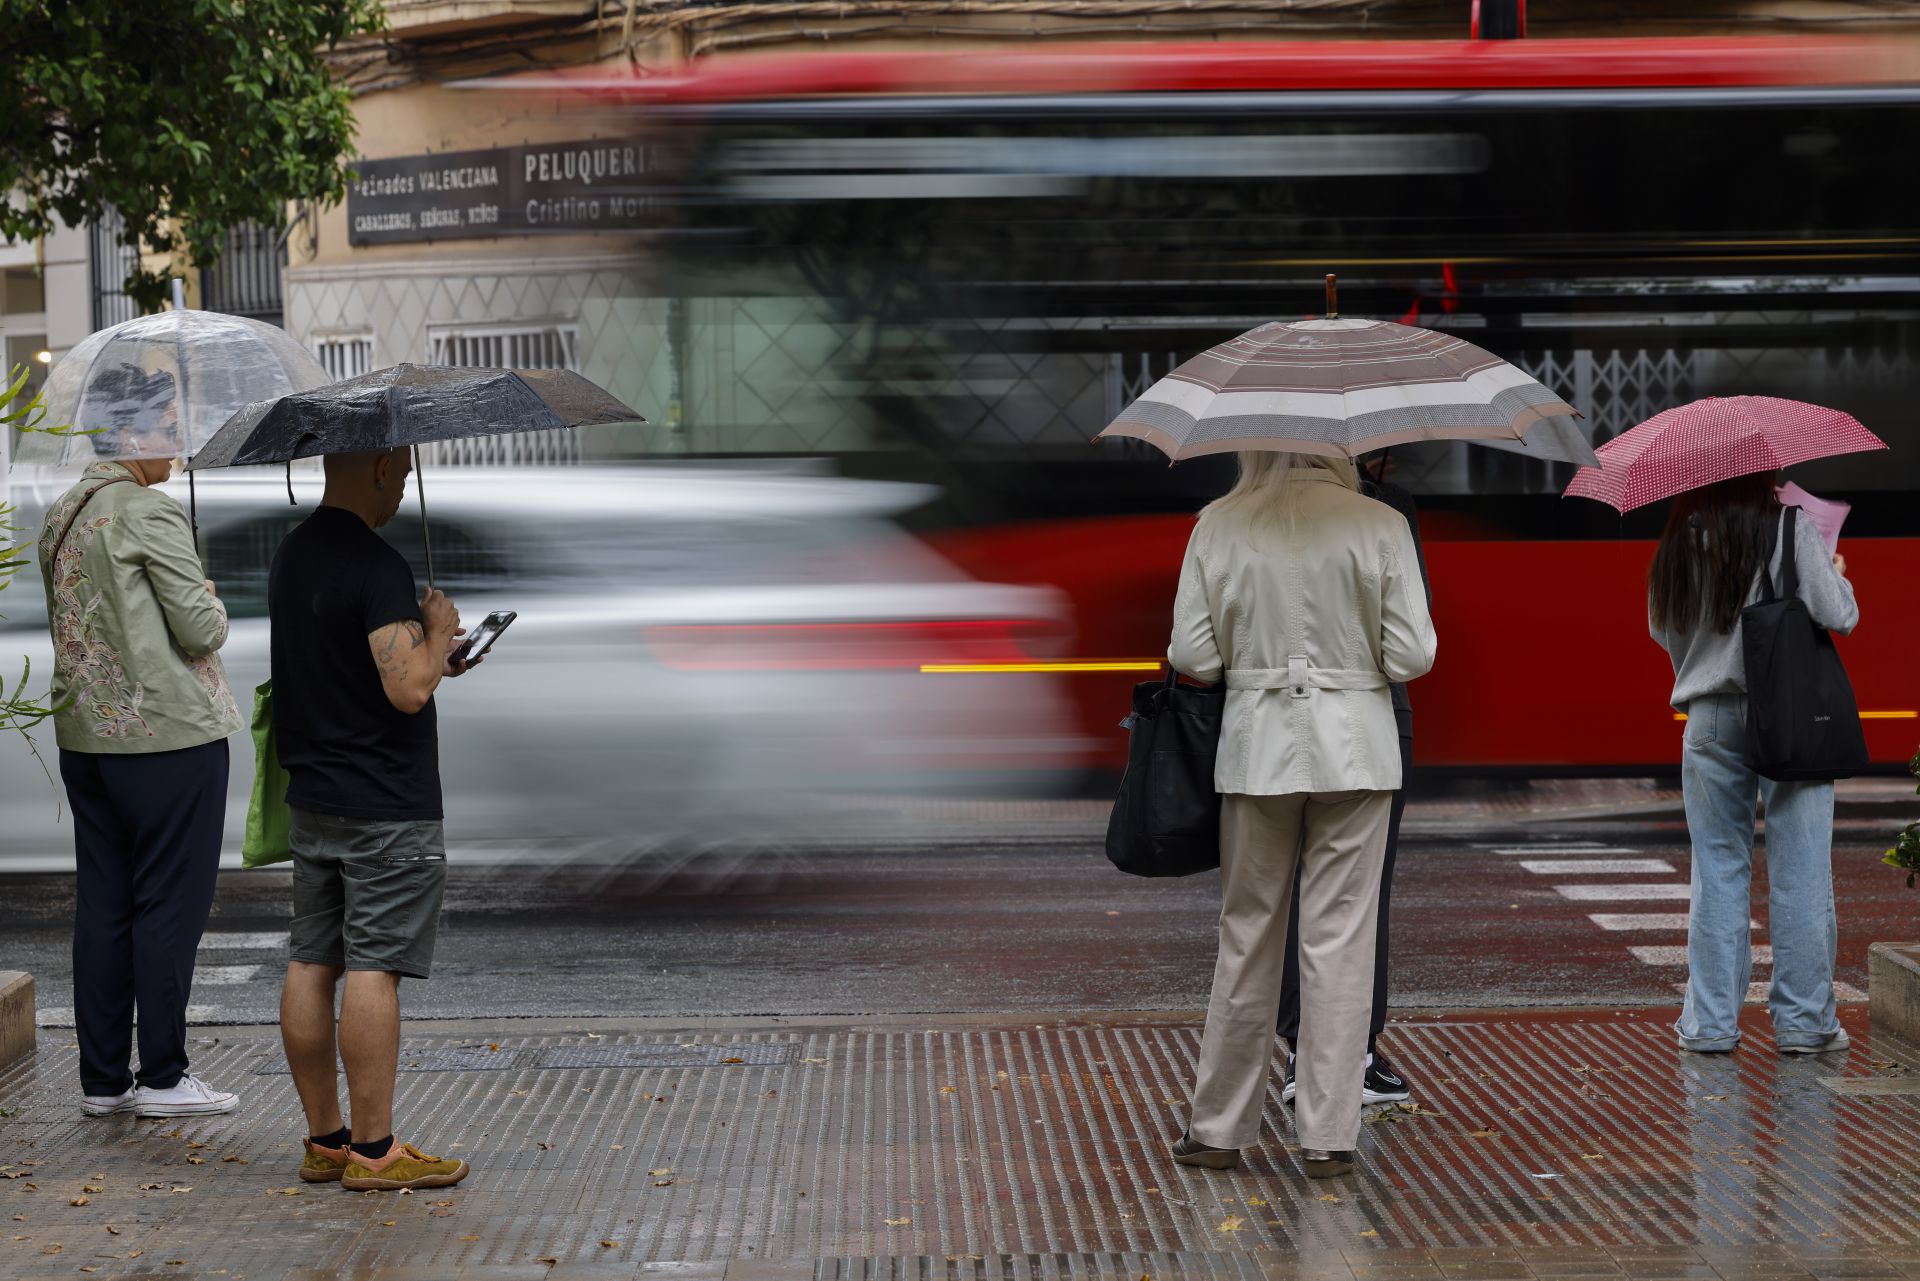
1305 597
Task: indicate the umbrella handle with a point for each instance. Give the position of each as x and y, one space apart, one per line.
1333 297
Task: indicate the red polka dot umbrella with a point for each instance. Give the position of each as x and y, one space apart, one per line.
1713 440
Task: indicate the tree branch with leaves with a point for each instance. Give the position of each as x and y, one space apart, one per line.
20 711
1905 853
188 117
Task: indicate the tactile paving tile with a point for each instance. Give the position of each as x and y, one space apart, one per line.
1027 1150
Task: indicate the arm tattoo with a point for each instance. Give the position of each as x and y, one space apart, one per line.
388 657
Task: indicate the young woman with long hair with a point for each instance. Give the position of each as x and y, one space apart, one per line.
1304 597
1718 542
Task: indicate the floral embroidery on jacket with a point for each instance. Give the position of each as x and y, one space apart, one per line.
92 668
213 678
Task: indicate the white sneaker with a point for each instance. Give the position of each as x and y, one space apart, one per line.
107 1104
1833 1045
190 1097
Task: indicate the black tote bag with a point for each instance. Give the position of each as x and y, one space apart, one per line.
1802 721
1166 820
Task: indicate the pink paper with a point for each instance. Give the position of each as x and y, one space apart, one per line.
1826 514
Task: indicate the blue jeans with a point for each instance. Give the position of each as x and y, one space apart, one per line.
1720 792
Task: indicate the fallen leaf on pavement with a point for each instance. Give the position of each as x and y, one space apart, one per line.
898 1223
948 1089
545 1147
1369 1233
1255 1201
91 1187
50 1249
115 1231
663 1183
1714 1098
813 1060
231 1159
177 1188
1483 1134
1332 1198
469 1238
609 1245
81 1200
196 1160
618 1147
547 1259
493 1047
733 1060
134 1254
153 1187
662 1172
196 1144
518 1094
1593 1156
443 1203
1232 1223
406 1191
389 1223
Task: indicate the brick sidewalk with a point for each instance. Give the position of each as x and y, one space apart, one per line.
971 1149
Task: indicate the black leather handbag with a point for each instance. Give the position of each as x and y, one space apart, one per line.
1166 820
1802 721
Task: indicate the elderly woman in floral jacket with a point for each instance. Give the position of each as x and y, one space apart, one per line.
142 730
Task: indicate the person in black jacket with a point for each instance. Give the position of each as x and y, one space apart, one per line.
1383 1084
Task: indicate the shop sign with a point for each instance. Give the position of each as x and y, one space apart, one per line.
602 185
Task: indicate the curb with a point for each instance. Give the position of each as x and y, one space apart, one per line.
1893 990
17 1032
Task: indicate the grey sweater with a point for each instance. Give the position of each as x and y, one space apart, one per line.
1710 662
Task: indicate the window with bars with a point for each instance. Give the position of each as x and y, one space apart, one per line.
110 262
549 346
507 346
344 355
247 279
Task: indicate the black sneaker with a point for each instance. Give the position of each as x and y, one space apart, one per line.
1382 1084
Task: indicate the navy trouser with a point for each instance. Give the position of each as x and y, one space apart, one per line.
1290 973
146 829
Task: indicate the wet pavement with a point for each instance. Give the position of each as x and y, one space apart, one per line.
1544 1145
962 1060
1574 913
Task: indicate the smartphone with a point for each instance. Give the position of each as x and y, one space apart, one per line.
478 641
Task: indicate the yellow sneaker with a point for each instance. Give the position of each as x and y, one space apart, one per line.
404 1166
323 1165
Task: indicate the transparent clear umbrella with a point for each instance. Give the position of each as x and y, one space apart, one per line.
159 386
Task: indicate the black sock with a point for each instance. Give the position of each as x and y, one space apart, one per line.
376 1149
338 1139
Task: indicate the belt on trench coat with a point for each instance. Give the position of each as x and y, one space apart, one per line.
1300 678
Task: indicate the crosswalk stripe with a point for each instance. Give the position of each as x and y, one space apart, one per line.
1757 992
1676 954
224 975
1582 850
1623 890
1618 921
211 942
1597 866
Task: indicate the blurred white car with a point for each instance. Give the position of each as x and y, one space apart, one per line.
701 657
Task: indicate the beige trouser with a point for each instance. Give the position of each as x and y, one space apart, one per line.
1338 840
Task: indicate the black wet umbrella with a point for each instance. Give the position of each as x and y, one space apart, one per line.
408 405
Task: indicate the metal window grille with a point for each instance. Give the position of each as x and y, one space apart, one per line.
109 263
248 279
345 356
508 347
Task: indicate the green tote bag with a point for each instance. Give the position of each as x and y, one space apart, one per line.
268 818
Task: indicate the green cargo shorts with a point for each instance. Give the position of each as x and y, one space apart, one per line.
366 892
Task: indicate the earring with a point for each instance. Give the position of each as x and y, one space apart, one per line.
379 486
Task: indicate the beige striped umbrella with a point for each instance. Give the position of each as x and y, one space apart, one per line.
1344 387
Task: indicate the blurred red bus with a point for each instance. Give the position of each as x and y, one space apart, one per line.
1008 245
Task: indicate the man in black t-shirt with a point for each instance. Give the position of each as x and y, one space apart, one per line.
357 655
